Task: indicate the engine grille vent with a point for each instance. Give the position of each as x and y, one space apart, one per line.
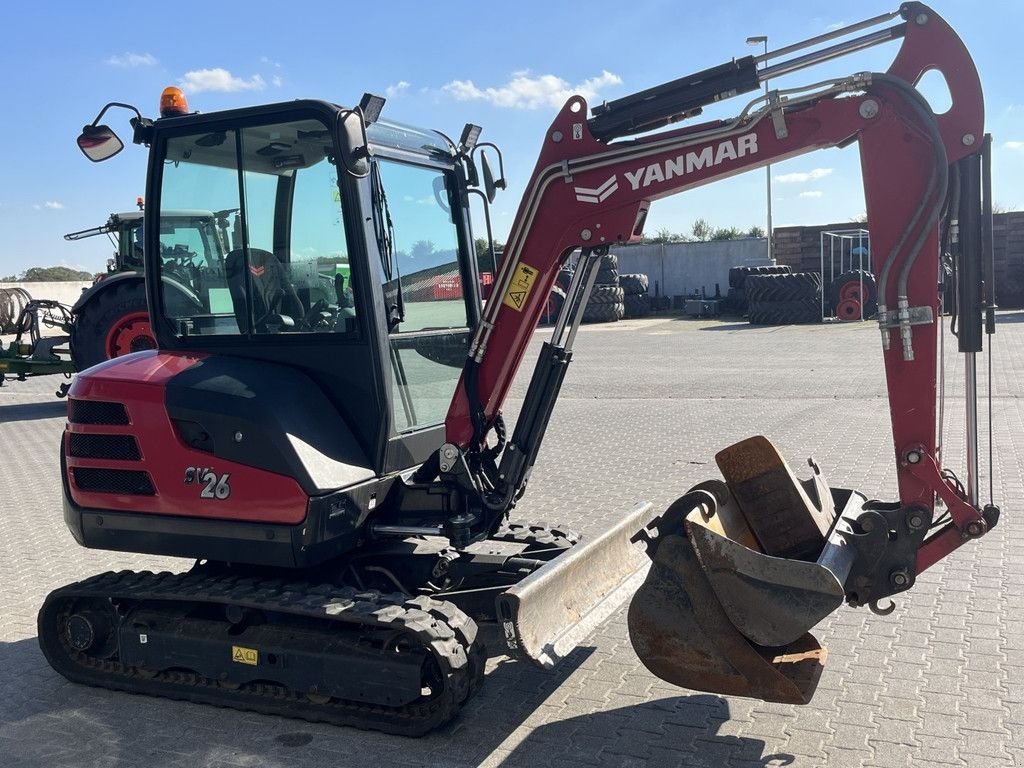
116 447
96 412
125 481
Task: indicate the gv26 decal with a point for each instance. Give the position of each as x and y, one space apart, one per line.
214 486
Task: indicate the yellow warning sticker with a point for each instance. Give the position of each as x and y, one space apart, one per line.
242 655
520 286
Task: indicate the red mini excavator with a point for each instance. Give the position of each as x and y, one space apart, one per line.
320 428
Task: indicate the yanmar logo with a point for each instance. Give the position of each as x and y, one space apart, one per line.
597 194
681 165
688 162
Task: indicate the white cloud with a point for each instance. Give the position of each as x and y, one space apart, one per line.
1016 146
268 60
800 178
219 79
128 60
277 81
393 90
811 193
526 92
51 204
834 27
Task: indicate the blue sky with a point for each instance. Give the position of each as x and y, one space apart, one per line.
507 67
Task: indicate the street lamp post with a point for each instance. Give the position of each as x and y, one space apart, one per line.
758 40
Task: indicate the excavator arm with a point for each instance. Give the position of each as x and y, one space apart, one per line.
748 589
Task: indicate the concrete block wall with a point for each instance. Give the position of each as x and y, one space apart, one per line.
1008 245
66 292
679 269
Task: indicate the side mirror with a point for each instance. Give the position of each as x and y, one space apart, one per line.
489 188
492 185
355 149
99 142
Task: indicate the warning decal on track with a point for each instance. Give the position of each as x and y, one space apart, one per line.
242 655
519 287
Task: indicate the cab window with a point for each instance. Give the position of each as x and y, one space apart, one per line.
252 232
422 282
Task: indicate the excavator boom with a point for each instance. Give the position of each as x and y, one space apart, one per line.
739 596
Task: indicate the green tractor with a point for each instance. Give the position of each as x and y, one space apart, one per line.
111 317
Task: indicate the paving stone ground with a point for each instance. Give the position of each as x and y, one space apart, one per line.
645 407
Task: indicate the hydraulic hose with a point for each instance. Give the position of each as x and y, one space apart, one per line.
934 195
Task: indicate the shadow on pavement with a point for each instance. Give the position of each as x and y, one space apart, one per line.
737 326
32 411
680 731
46 721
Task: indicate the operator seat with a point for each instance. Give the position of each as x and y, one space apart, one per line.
274 300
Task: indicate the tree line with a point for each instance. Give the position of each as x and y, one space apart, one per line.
702 231
48 275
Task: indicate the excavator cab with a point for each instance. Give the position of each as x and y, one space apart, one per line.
351 276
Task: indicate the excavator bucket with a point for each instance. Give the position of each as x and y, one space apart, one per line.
682 634
736 583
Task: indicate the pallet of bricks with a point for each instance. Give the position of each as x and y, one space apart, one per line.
775 295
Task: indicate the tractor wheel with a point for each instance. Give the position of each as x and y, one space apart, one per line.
112 323
738 275
637 305
563 278
797 286
608 270
605 294
856 285
736 301
634 285
556 300
604 313
848 310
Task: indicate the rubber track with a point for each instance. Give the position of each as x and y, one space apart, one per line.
448 634
535 533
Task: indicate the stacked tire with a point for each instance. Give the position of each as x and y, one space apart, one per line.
736 299
12 302
556 299
636 301
853 295
783 299
607 300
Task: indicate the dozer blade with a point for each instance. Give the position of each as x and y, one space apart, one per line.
555 608
683 635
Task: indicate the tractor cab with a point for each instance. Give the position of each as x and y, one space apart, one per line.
185 236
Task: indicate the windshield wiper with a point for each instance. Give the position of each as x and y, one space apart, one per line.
385 234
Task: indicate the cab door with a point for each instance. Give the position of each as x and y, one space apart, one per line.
431 302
